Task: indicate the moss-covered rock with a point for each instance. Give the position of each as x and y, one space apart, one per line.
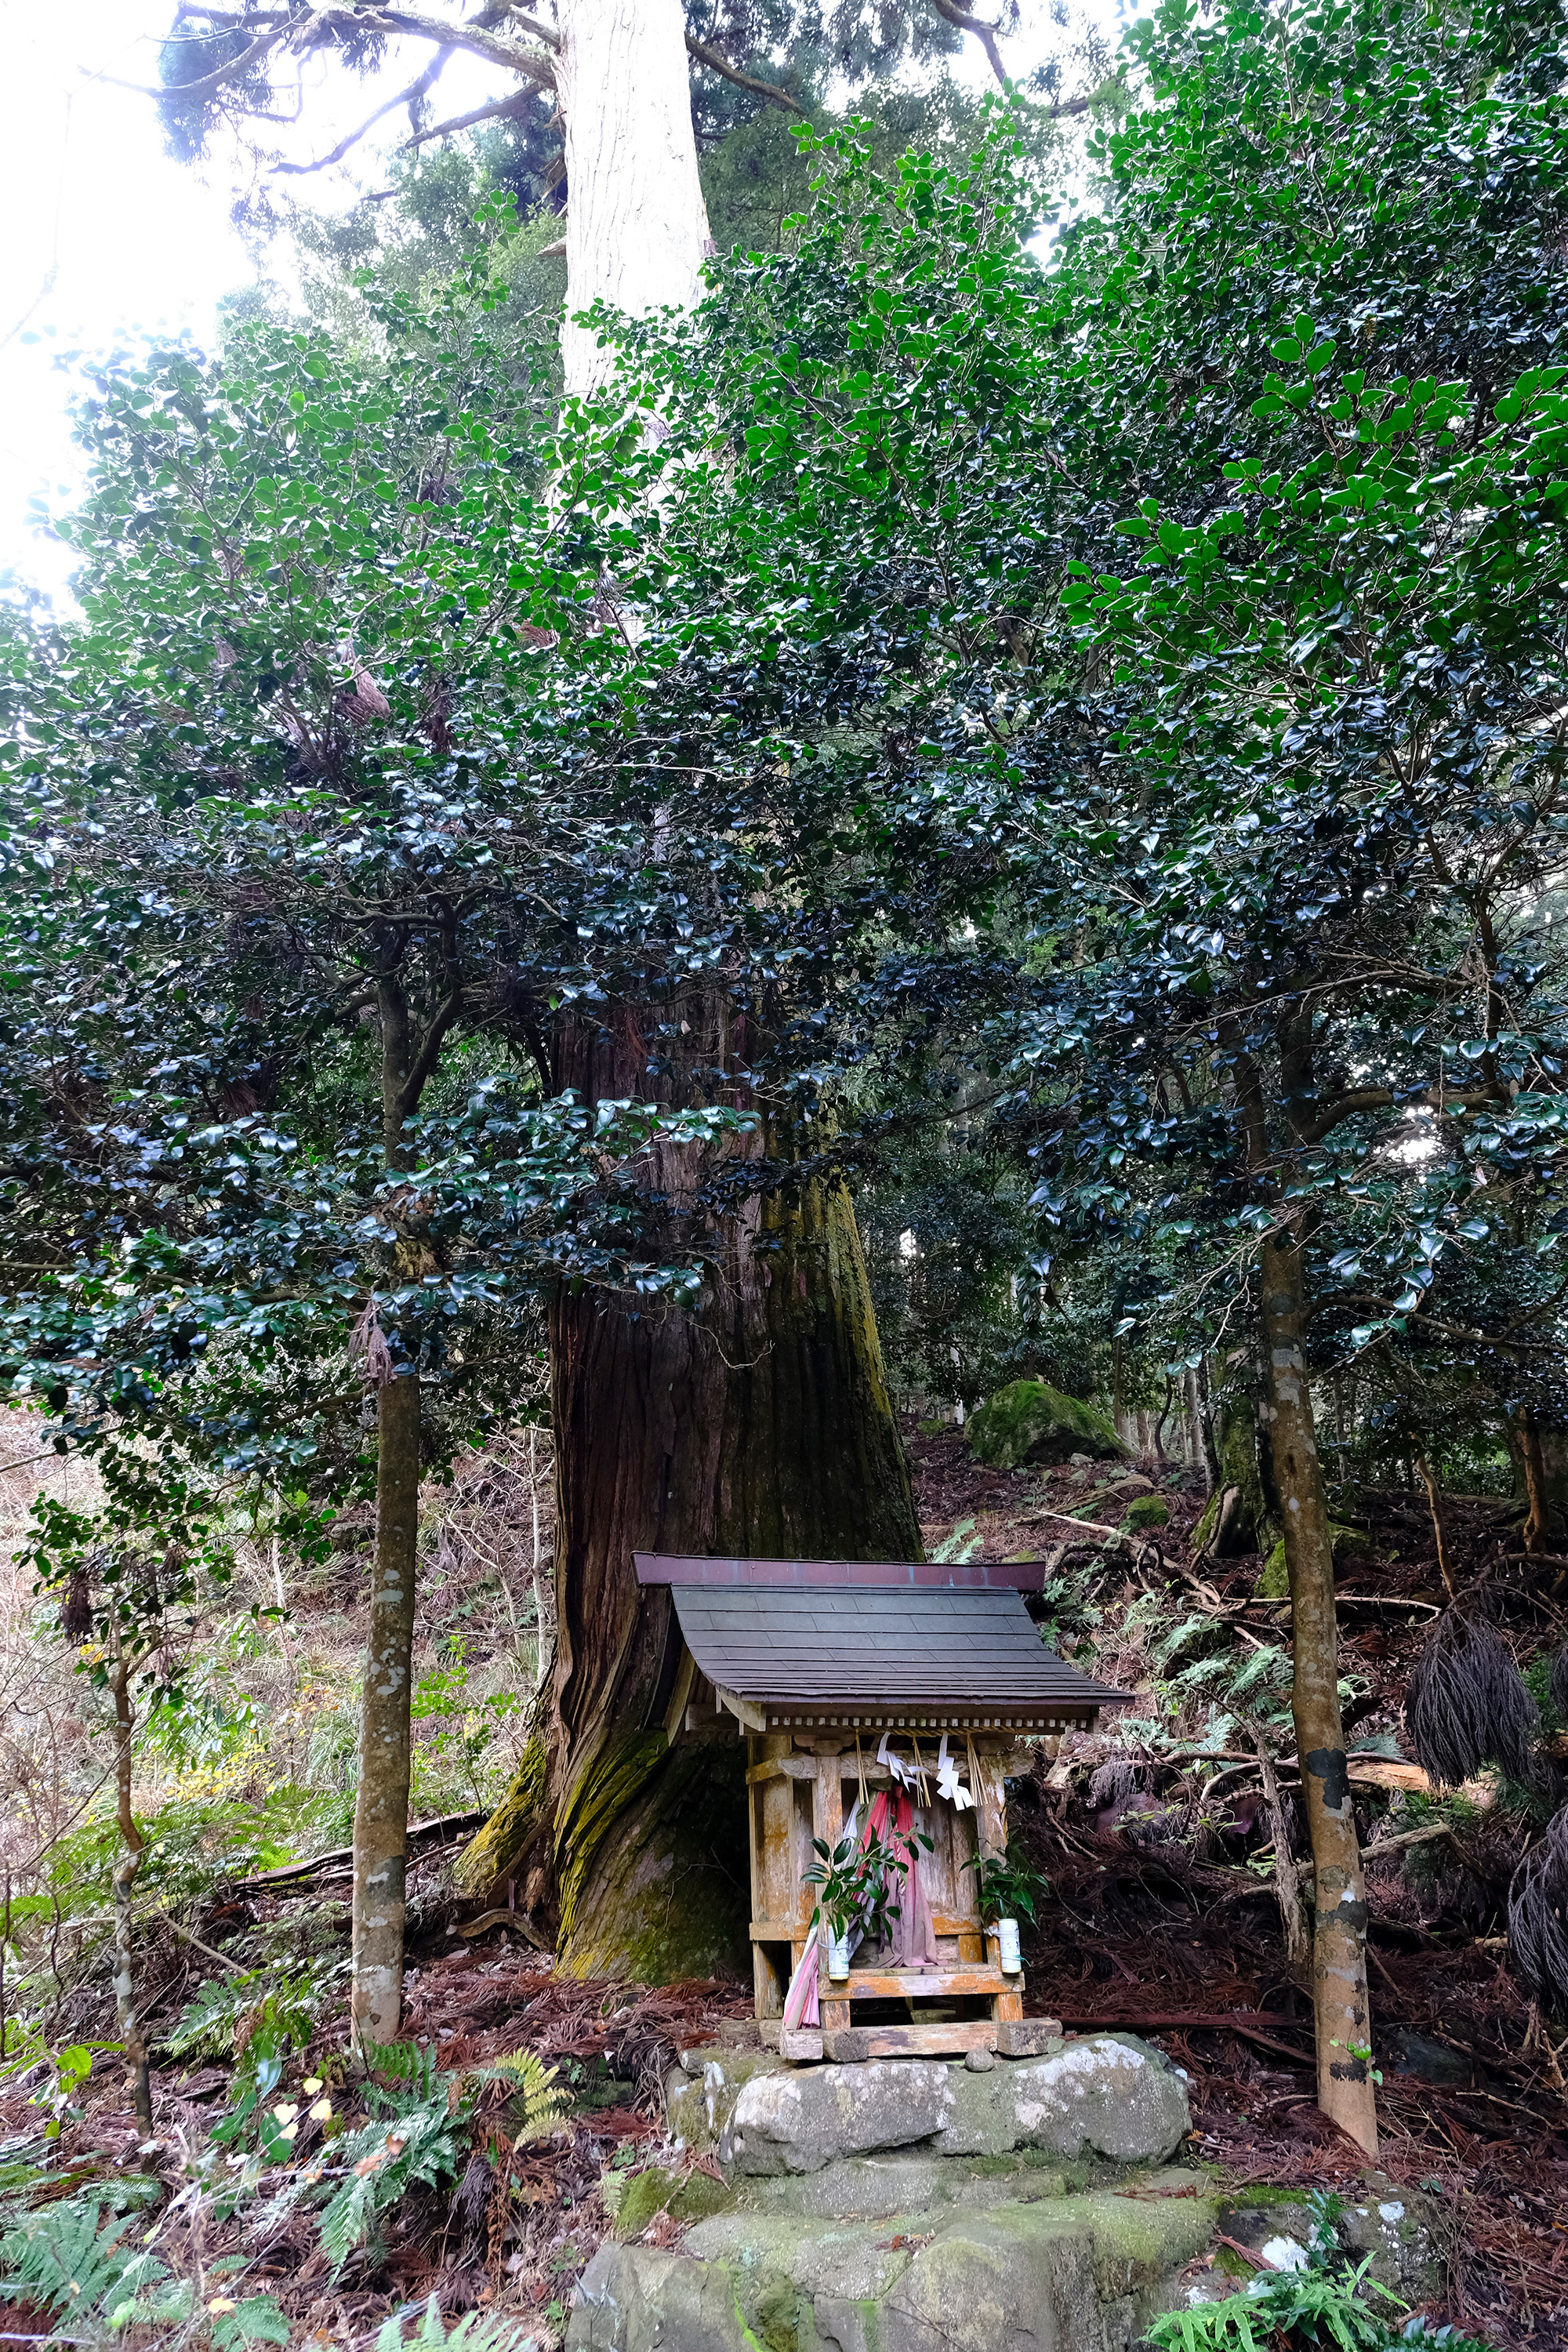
699 2105
685 2196
1274 1584
1030 1422
1146 1511
1075 2274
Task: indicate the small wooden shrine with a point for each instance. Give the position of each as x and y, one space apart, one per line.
844 1678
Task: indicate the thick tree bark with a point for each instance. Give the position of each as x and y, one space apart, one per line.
1340 1998
760 1424
636 226
125 1869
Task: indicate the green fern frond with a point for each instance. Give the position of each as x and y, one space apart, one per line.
1263 1665
62 2259
423 2147
478 2332
410 2064
208 2024
1170 1644
544 2099
1207 1670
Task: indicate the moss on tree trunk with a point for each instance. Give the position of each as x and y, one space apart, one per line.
760 1424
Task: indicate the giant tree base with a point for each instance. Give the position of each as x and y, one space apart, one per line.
668 1893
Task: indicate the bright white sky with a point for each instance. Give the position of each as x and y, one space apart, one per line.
107 238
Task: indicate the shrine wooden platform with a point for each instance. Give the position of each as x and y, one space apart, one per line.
819 1662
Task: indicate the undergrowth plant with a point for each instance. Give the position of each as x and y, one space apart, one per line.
419 2132
1326 2304
477 2332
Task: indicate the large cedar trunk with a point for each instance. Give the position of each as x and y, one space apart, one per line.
757 1425
637 228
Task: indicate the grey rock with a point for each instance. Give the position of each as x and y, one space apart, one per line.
980 2062
698 2107
869 2188
1083 2274
1418 2054
633 2299
1404 2233
798 2121
1109 2096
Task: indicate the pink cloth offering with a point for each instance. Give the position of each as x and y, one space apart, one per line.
914 1942
913 1937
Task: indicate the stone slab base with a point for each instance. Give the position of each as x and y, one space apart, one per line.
1064 2274
1027 2037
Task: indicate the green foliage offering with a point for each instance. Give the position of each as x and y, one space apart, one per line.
1007 1886
859 1881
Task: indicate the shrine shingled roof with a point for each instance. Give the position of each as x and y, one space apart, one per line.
875 1642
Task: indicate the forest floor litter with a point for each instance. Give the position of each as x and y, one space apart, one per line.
1160 1919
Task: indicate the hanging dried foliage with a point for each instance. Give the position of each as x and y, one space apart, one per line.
1538 1915
1466 1705
1114 1781
76 1609
1558 1684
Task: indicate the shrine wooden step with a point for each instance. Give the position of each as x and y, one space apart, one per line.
848 2045
915 1984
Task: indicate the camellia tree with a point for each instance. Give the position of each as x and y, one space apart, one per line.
1301 1000
1274 495
360 850
264 913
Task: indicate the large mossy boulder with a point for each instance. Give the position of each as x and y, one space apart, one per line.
1029 1422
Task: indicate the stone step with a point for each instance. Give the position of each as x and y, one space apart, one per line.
1068 2274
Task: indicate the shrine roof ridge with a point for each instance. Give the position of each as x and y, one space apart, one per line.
959 1576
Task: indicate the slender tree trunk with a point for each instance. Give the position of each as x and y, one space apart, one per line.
385 1742
636 226
125 1869
1440 1532
381 1809
1340 1998
1536 1529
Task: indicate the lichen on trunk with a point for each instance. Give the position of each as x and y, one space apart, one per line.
1339 1997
